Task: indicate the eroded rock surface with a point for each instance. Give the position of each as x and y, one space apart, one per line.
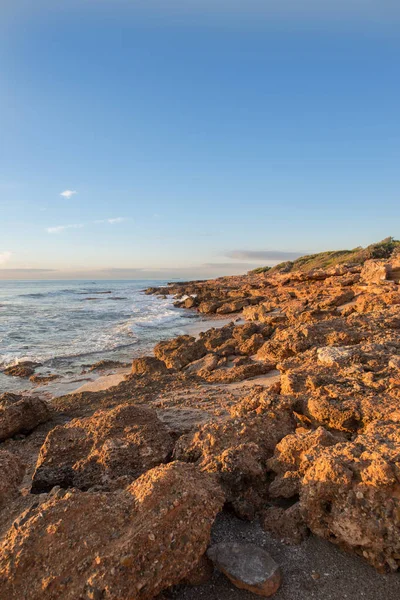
287 525
11 470
148 365
237 451
96 451
23 369
350 494
127 544
20 414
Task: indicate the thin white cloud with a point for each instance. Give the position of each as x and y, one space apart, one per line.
263 255
112 221
60 228
68 194
5 257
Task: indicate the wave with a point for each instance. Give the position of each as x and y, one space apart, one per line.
38 295
60 331
47 294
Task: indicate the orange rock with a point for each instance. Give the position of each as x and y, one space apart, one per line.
128 544
95 451
20 414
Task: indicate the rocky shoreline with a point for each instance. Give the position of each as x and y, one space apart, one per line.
282 431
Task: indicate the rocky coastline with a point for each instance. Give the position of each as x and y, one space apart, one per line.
278 432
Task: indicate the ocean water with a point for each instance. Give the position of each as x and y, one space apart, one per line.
68 324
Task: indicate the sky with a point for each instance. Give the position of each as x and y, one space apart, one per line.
194 138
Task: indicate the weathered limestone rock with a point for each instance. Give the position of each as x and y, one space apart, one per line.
209 307
94 451
338 299
179 352
259 312
375 271
44 379
20 414
208 363
288 525
215 337
103 365
127 544
11 470
237 450
237 373
148 365
334 412
232 307
394 363
23 369
247 566
350 494
251 345
293 340
190 302
291 458
334 356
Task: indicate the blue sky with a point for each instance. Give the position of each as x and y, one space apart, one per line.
201 138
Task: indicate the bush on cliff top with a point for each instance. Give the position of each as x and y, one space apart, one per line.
323 260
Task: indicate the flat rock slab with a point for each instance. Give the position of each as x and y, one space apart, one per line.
247 566
334 356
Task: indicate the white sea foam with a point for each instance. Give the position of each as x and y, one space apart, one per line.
62 326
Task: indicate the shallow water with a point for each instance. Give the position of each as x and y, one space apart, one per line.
68 324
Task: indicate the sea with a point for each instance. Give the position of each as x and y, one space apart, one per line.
68 325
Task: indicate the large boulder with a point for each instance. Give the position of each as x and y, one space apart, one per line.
19 414
148 365
215 337
179 352
209 306
190 302
350 494
95 451
375 271
127 544
232 307
23 369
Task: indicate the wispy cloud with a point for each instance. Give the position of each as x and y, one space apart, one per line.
263 255
68 194
60 228
112 221
27 270
227 266
5 257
